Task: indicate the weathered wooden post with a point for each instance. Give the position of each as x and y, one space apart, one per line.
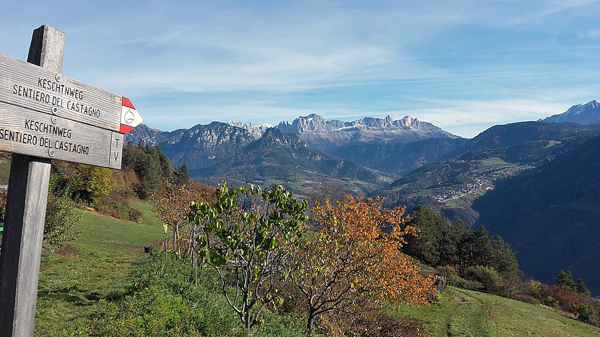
43 116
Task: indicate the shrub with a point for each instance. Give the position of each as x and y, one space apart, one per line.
135 215
487 276
550 301
535 288
454 279
527 299
61 217
587 314
118 208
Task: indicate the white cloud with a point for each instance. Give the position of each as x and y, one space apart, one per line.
253 61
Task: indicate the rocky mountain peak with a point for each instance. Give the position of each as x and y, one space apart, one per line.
320 134
255 130
585 114
276 138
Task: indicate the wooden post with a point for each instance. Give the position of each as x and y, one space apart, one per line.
26 211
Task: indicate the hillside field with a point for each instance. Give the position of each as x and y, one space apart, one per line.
78 281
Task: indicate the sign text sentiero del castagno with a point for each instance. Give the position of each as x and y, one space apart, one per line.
45 114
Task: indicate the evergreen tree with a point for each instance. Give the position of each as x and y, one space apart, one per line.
183 176
150 165
581 288
505 260
565 280
425 246
441 243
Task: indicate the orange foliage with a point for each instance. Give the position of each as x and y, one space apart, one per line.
355 258
370 241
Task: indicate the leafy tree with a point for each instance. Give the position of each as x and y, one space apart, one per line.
248 232
487 276
513 284
94 183
354 258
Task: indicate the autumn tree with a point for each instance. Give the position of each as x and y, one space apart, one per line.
94 183
354 257
245 236
172 204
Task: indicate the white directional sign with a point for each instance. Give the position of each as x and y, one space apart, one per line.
45 114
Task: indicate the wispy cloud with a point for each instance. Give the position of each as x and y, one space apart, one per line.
462 64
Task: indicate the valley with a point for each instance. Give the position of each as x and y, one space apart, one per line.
411 162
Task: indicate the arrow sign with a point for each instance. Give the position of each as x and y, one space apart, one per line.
130 118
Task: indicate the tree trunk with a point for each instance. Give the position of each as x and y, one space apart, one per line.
309 323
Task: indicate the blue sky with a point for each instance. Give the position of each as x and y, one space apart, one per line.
462 65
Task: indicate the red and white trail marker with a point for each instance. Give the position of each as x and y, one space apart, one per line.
130 118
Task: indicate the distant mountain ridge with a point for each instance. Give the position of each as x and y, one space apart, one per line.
255 130
202 146
324 135
199 146
283 158
585 114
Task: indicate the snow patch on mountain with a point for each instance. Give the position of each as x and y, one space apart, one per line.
585 114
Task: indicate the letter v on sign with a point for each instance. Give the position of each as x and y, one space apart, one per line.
130 118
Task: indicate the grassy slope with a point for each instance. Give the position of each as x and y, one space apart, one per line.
94 266
98 264
468 313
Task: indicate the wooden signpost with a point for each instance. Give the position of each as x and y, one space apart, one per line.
45 115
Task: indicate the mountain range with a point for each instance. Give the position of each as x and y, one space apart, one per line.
585 114
526 181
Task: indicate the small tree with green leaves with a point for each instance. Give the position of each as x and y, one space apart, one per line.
61 214
245 236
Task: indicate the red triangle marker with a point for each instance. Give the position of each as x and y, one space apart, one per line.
130 118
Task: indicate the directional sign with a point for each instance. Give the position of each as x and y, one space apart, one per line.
130 118
45 114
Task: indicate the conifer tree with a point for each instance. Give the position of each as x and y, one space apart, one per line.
581 288
566 281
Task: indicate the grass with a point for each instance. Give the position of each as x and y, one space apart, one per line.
103 284
468 313
95 266
4 173
100 282
493 162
